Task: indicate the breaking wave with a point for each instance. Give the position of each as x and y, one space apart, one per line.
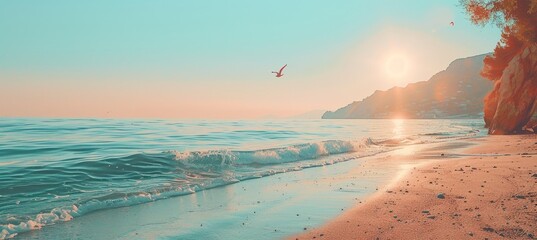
74 189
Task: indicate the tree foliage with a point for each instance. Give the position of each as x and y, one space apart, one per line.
517 18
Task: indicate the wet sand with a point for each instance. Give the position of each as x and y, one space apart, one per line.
487 191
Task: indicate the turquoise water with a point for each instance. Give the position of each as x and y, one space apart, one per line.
54 170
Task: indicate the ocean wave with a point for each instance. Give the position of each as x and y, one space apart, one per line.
460 133
271 156
142 178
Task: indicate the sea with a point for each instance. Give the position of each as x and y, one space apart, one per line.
57 170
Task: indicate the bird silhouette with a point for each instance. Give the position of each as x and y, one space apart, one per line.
279 73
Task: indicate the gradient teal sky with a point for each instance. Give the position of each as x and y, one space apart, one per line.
213 58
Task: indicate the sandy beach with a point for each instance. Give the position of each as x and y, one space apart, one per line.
487 192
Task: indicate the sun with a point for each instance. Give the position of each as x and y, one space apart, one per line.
396 66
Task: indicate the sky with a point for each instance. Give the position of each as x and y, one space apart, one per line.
212 59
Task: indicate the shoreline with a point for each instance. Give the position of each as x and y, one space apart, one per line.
241 210
487 191
278 206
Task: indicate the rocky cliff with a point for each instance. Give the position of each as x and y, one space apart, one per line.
456 92
512 106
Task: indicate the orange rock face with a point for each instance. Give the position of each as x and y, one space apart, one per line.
491 104
511 107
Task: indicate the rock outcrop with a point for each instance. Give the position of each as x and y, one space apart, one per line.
511 107
456 92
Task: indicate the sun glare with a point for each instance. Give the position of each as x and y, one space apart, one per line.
397 127
396 66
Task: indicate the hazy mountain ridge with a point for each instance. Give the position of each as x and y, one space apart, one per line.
456 92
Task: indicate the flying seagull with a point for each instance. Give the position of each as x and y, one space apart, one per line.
279 73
